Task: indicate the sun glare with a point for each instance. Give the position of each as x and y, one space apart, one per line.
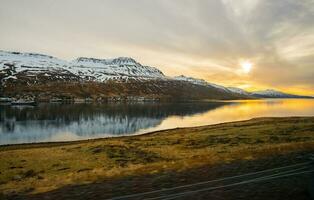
246 66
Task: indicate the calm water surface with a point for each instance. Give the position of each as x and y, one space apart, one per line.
55 122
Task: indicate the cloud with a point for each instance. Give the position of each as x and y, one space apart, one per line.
203 38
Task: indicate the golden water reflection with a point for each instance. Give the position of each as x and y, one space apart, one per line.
241 110
68 122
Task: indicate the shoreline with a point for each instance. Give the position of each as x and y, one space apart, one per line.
61 143
83 101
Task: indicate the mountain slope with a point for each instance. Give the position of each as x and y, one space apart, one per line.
239 91
200 82
38 76
15 65
106 69
131 90
30 75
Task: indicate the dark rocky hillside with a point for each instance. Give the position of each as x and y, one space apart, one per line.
44 90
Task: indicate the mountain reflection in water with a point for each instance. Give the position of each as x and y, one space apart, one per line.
55 122
66 122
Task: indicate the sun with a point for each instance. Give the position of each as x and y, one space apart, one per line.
246 66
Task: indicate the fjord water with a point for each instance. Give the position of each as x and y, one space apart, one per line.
67 122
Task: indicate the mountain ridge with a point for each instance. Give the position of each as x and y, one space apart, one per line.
21 73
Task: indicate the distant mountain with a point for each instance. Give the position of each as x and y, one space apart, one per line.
270 93
200 82
239 91
38 76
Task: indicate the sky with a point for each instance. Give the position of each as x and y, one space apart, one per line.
251 44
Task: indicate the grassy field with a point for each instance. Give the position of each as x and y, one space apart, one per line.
37 168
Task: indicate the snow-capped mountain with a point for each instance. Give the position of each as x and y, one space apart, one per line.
191 80
270 93
48 67
44 76
31 64
200 82
106 69
238 91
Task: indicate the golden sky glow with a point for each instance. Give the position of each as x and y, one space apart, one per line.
246 66
252 44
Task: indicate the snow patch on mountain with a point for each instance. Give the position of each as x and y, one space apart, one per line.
106 69
238 90
191 80
270 93
200 82
30 62
86 68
